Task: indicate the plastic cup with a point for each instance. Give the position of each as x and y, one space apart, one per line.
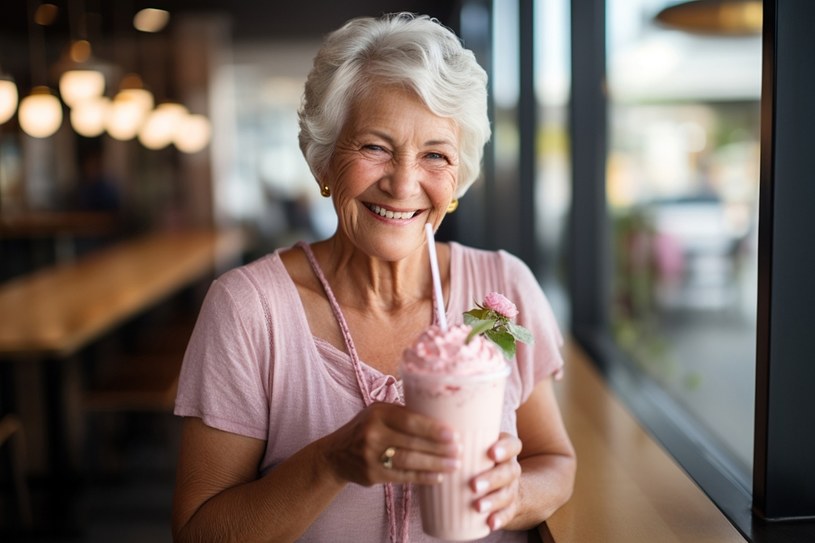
471 405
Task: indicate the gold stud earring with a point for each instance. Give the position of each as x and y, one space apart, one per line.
325 191
453 206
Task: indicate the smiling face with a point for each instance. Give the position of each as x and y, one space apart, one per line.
395 168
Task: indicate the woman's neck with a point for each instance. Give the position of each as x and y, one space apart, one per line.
361 281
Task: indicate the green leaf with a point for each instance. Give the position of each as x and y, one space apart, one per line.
479 326
520 333
504 341
478 314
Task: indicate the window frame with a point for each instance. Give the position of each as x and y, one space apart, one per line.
783 428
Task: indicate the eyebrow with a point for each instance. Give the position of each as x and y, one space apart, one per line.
428 143
441 142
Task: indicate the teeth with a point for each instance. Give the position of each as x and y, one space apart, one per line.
382 212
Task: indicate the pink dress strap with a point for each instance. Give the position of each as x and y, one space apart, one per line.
367 397
341 322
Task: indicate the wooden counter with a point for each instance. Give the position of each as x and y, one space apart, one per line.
50 315
628 489
57 311
57 223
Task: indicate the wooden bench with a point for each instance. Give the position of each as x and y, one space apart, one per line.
140 383
133 393
628 489
49 316
145 377
11 428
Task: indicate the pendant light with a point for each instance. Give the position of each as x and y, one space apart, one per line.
8 97
192 134
133 88
159 128
714 17
129 108
125 118
151 20
40 112
81 75
89 116
132 103
82 85
81 79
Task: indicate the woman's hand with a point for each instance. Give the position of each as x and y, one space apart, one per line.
498 489
534 473
423 448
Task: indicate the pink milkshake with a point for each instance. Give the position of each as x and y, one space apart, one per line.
461 383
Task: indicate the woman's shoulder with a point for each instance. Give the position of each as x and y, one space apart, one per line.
486 259
264 274
255 294
481 270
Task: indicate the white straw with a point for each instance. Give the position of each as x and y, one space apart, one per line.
434 271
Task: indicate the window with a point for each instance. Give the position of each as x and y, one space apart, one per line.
682 191
552 171
613 185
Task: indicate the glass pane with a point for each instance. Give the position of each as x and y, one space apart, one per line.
262 180
553 177
682 184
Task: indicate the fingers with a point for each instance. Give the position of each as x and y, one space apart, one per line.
406 466
423 449
497 489
507 446
419 449
388 443
431 431
499 499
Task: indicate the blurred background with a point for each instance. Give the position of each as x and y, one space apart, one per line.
181 127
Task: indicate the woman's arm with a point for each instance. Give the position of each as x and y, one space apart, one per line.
220 497
543 457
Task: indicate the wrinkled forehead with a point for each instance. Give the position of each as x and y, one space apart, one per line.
387 102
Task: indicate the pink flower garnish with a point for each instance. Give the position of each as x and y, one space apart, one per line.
492 319
501 305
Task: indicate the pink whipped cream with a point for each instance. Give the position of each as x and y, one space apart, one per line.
439 353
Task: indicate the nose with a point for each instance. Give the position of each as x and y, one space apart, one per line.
402 179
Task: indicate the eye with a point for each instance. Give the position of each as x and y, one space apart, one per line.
374 148
436 156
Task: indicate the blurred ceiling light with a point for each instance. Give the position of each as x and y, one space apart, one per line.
192 133
8 97
80 51
129 108
142 97
76 86
40 113
46 14
159 129
125 117
82 77
89 117
151 20
718 17
131 87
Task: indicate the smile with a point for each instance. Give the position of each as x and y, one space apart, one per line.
388 214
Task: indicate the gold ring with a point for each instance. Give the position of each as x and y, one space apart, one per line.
387 457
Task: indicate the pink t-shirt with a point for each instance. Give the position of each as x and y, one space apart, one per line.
253 368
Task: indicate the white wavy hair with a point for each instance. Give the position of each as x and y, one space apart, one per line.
414 51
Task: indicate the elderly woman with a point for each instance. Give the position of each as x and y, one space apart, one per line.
290 387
